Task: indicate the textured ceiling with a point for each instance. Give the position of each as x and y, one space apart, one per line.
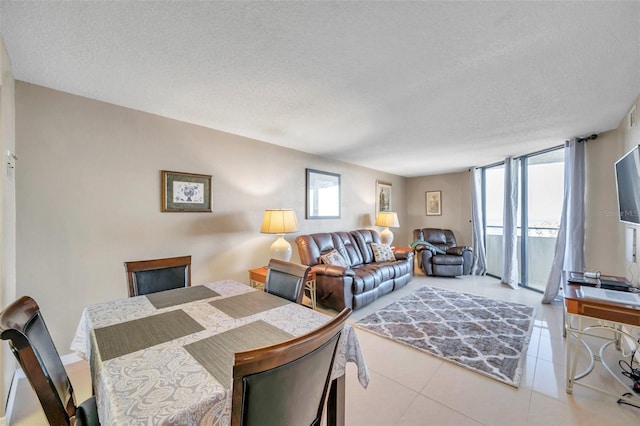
410 88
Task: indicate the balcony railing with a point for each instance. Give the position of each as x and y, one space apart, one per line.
541 243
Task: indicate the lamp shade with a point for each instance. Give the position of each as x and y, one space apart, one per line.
281 221
387 219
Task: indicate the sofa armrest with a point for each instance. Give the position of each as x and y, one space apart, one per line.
458 251
332 270
420 248
402 253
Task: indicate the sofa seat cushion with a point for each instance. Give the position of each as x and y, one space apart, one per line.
401 268
447 259
367 277
371 275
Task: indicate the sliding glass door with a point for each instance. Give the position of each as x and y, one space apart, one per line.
493 190
544 189
539 208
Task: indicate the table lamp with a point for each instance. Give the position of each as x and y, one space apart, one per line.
279 222
387 219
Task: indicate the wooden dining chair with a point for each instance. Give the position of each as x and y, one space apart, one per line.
286 279
23 326
286 384
152 276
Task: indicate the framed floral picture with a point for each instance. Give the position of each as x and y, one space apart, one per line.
433 203
383 197
185 192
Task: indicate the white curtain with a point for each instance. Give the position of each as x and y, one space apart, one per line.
569 254
477 224
510 220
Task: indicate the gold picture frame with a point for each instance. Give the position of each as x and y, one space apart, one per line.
433 203
384 191
185 192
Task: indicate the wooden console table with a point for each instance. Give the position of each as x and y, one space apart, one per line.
585 317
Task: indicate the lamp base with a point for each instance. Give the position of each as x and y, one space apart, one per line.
280 249
386 236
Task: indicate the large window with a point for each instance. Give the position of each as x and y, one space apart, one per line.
539 210
494 213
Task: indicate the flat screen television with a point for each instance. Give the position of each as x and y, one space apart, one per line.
628 186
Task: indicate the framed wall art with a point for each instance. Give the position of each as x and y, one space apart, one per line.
323 195
383 197
185 192
433 203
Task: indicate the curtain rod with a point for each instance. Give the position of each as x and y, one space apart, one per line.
592 136
586 138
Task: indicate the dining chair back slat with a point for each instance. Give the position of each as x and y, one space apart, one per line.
287 279
287 383
152 276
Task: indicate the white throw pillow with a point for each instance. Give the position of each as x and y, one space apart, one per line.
334 258
382 252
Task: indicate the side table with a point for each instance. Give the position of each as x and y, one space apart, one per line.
596 318
258 278
417 260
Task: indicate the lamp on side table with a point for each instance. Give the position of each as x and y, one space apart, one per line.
280 222
387 220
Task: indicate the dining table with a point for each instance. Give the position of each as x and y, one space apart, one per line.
166 358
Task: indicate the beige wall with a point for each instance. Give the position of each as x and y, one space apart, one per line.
606 238
8 208
604 234
88 190
456 204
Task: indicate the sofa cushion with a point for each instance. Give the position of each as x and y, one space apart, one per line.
333 258
442 238
382 252
350 251
367 277
362 238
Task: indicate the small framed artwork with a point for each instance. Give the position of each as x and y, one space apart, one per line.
185 192
383 197
433 203
323 195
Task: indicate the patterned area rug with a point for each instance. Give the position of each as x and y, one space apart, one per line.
485 335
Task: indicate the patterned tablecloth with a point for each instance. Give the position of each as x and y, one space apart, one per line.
166 358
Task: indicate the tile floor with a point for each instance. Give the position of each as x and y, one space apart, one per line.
411 388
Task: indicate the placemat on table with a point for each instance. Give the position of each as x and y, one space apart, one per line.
215 353
247 304
131 336
178 296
